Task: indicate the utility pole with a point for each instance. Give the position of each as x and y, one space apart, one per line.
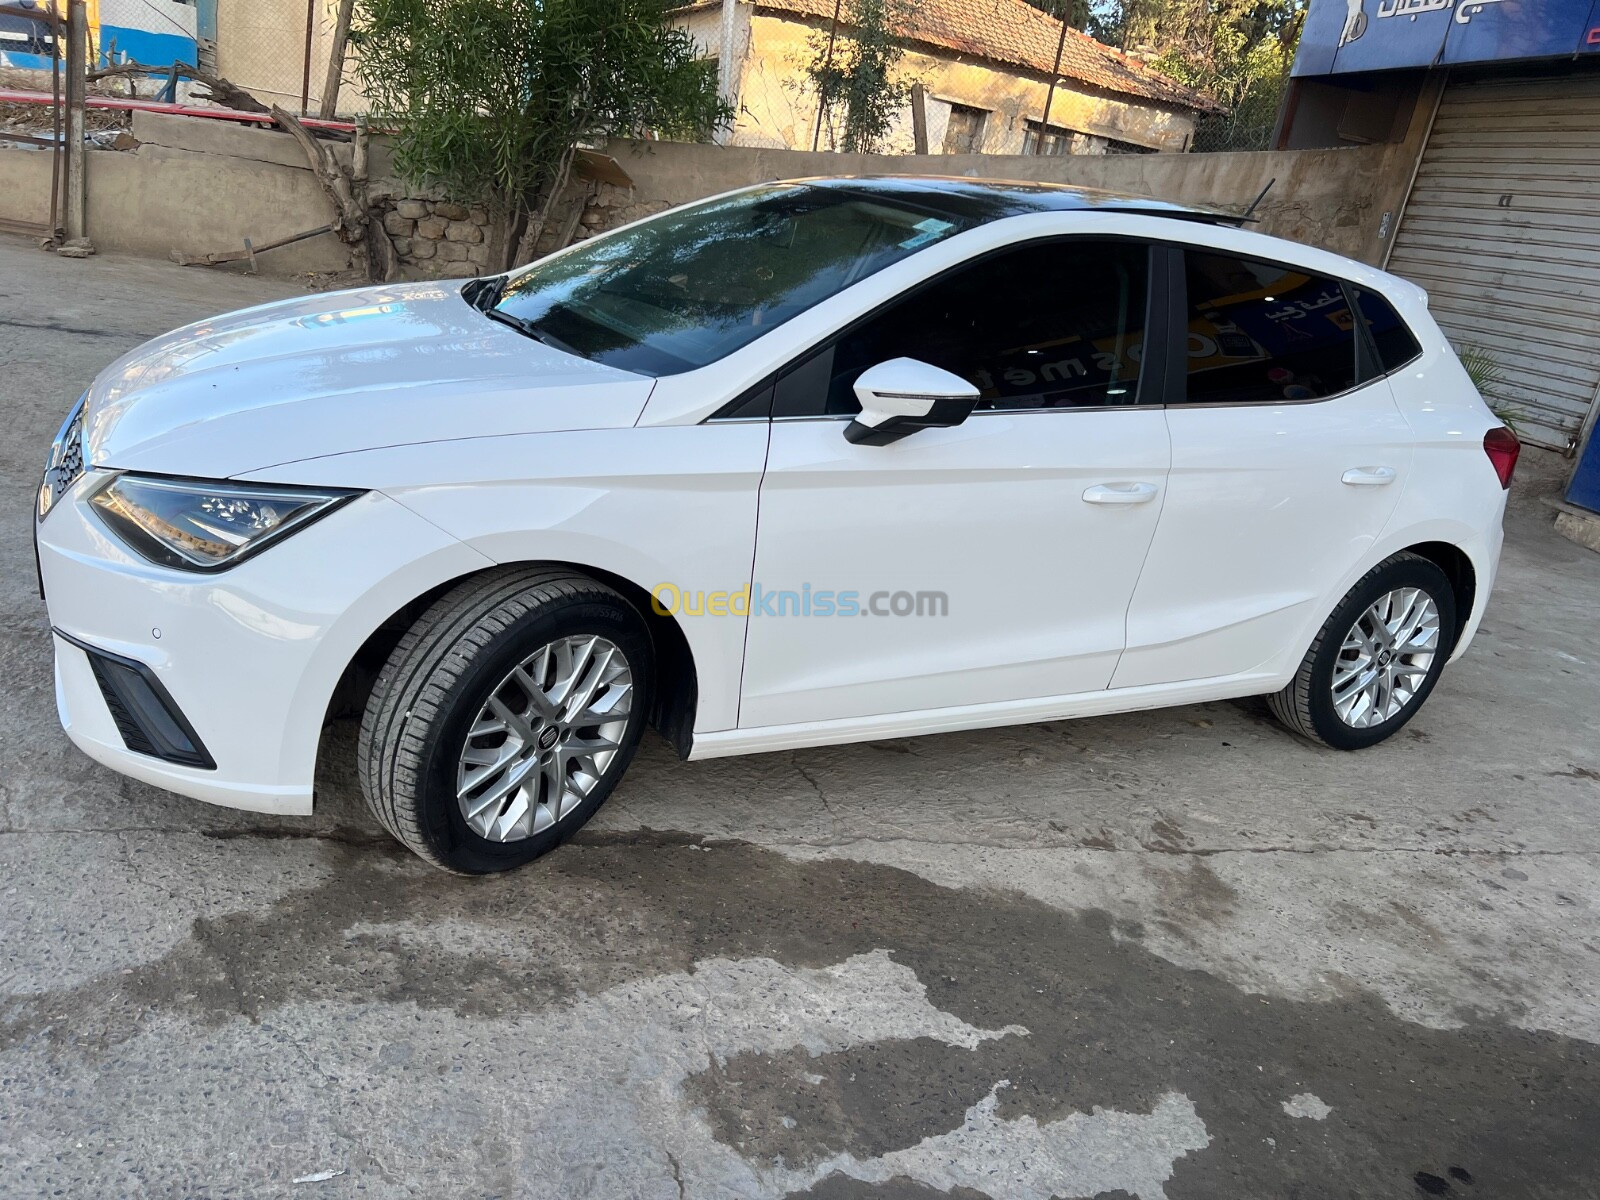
341 37
77 214
1049 97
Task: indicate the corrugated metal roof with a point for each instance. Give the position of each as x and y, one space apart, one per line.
1016 33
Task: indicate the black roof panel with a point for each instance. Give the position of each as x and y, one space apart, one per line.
991 199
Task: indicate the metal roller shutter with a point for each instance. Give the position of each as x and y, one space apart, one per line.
1503 230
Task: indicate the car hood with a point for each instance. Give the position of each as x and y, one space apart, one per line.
342 371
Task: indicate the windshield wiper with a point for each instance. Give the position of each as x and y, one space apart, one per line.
483 294
528 329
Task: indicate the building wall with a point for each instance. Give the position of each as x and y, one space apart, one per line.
162 197
1344 200
192 187
778 108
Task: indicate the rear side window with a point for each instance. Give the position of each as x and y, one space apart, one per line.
1261 332
1395 344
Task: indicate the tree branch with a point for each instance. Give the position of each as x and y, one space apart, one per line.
227 94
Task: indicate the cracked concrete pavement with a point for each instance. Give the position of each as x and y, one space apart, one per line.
1175 954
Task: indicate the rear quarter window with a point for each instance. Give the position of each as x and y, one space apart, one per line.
1393 342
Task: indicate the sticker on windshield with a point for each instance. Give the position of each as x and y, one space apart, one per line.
930 230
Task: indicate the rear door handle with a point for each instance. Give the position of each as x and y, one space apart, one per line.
1369 476
1120 493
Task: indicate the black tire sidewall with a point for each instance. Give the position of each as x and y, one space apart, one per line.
444 827
1409 571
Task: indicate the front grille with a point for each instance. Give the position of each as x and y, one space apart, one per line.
66 460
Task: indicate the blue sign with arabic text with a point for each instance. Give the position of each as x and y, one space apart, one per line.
1381 35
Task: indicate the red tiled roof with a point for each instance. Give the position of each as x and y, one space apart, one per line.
1014 32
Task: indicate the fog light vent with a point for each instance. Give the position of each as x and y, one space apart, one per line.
146 716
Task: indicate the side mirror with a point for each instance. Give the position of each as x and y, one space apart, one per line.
903 395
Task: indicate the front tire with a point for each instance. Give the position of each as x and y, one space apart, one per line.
505 717
1376 659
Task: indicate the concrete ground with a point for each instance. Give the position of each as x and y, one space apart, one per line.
1173 954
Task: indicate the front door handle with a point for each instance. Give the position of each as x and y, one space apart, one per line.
1369 476
1120 493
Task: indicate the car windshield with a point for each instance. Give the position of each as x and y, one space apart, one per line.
689 287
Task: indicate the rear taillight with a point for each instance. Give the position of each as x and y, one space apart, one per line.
1502 447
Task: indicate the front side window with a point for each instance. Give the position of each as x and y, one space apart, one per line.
690 287
1262 332
1045 325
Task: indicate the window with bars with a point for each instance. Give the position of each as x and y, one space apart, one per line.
1039 138
963 132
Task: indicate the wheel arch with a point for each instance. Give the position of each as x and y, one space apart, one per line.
1457 566
677 695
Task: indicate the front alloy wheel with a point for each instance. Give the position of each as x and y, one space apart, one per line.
505 717
1376 658
544 738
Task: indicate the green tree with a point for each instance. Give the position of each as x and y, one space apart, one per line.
1076 13
491 98
1236 50
853 72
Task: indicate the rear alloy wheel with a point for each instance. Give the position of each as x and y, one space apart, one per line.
1376 659
505 717
1385 658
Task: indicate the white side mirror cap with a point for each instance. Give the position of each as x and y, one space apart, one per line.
903 395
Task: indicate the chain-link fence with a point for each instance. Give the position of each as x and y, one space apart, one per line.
276 50
1248 125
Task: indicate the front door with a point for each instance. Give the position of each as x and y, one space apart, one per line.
969 566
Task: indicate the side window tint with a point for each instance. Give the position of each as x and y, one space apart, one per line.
1395 342
1263 332
1047 325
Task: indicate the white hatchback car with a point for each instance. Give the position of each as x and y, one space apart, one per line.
806 463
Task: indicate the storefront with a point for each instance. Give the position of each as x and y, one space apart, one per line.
1502 221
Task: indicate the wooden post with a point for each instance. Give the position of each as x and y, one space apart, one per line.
76 219
827 65
341 36
919 119
359 154
305 77
57 152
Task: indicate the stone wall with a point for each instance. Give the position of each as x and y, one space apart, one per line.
437 238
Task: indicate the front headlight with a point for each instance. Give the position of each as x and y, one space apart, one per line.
200 525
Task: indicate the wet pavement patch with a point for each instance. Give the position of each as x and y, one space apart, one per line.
1484 1109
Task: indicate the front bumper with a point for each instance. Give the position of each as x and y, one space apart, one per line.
249 657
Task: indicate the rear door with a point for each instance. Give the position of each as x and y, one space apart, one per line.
1288 456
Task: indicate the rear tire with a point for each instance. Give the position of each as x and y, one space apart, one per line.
1376 659
471 704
